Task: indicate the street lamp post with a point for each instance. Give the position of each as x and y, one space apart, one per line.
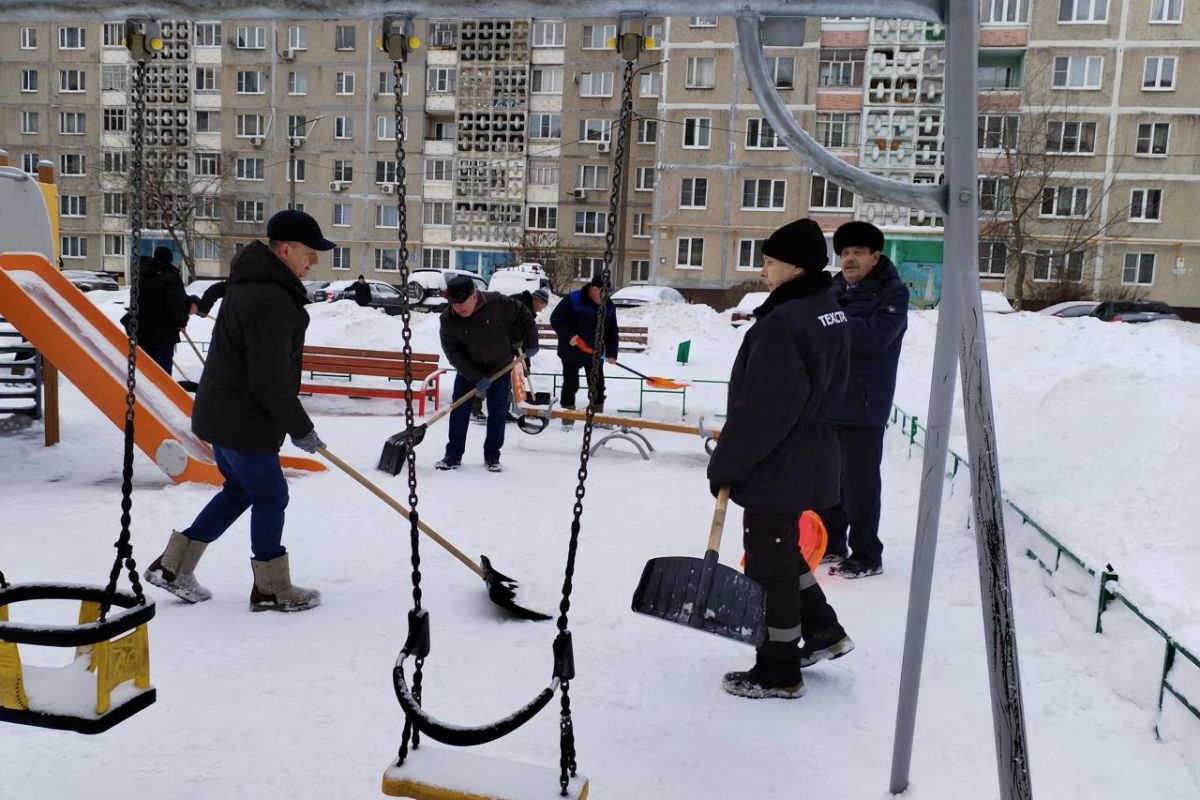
623 199
293 146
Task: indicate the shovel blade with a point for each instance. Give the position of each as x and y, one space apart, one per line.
502 590
705 595
395 450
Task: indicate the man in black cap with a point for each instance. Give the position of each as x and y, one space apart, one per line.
779 457
163 307
245 406
574 320
481 332
875 300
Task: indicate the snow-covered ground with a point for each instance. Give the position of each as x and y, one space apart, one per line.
1096 442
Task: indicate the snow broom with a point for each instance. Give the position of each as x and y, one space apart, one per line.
703 594
502 590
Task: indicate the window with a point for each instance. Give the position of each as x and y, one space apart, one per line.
442 34
542 218
440 80
74 247
114 204
689 254
701 72
250 81
693 193
1152 138
387 259
208 34
762 194
649 84
208 122
549 34
72 80
114 120
992 258
116 161
760 135
997 131
113 34
442 130
297 125
344 37
591 223
545 126
29 80
341 258
702 22
1139 269
841 69
999 11
999 72
1145 205
435 258
1166 11
639 270
29 163
697 132
1073 138
298 37
72 38
29 38
593 176
595 130
343 83
1048 266
208 165
385 127
385 172
838 129
825 194
643 179
343 170
995 194
206 79
73 165
297 82
585 268
1065 201
1082 10
251 37
595 84
641 226
544 173
437 213
1077 72
439 170
546 80
114 244
1158 74
113 78
782 71
343 127
295 171
207 249
249 125
749 255
72 205
206 206
341 215
387 216
249 169
595 37
29 122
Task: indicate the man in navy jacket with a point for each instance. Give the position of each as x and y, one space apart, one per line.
574 320
875 300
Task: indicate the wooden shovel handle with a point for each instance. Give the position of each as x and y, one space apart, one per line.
718 523
466 397
401 510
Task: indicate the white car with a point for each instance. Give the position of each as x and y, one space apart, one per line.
996 303
633 296
528 277
743 312
427 287
1071 308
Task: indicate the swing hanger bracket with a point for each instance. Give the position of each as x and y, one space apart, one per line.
143 36
417 643
397 37
564 656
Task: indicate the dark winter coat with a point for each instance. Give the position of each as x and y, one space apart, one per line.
210 297
775 450
247 396
575 315
482 344
362 293
162 303
526 298
877 311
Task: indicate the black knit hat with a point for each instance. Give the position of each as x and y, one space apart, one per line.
164 255
459 288
800 243
858 234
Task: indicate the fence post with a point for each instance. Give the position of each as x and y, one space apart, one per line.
1106 577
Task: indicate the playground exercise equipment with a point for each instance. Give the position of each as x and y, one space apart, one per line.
534 419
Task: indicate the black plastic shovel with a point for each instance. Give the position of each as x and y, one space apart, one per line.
702 594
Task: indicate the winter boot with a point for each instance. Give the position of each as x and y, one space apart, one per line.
173 570
833 559
479 418
448 463
599 409
756 684
852 569
273 589
827 644
493 465
568 424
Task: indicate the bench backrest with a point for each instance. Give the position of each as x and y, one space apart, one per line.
357 353
626 334
347 361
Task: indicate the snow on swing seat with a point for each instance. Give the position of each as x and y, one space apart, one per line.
437 773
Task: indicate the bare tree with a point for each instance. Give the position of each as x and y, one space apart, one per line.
545 248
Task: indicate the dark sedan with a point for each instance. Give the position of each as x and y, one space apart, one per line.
383 295
1133 311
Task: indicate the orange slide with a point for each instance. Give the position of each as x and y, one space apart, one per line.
91 351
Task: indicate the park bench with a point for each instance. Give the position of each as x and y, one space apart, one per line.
342 362
633 339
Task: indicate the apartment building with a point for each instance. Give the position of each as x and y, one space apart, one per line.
510 141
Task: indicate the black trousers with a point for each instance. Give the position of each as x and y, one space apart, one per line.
858 511
570 385
795 602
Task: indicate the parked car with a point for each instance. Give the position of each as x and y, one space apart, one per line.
1071 308
634 296
88 281
427 287
996 303
743 312
316 290
383 295
1133 311
527 277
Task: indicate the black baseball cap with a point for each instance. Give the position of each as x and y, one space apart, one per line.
296 226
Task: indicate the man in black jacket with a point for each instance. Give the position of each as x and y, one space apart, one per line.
362 291
480 332
245 406
779 457
574 320
163 306
875 300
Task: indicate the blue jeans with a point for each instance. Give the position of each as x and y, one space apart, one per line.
254 481
460 418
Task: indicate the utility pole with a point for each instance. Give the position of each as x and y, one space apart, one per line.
623 199
294 145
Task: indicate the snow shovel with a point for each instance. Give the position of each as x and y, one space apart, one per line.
395 449
653 380
502 590
702 594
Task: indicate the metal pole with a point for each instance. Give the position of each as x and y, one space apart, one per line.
292 170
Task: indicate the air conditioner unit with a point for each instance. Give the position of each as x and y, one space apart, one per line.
603 147
389 188
338 186
288 54
256 141
580 193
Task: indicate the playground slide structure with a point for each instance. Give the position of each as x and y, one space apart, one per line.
87 347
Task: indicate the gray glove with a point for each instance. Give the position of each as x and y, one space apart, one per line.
309 442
